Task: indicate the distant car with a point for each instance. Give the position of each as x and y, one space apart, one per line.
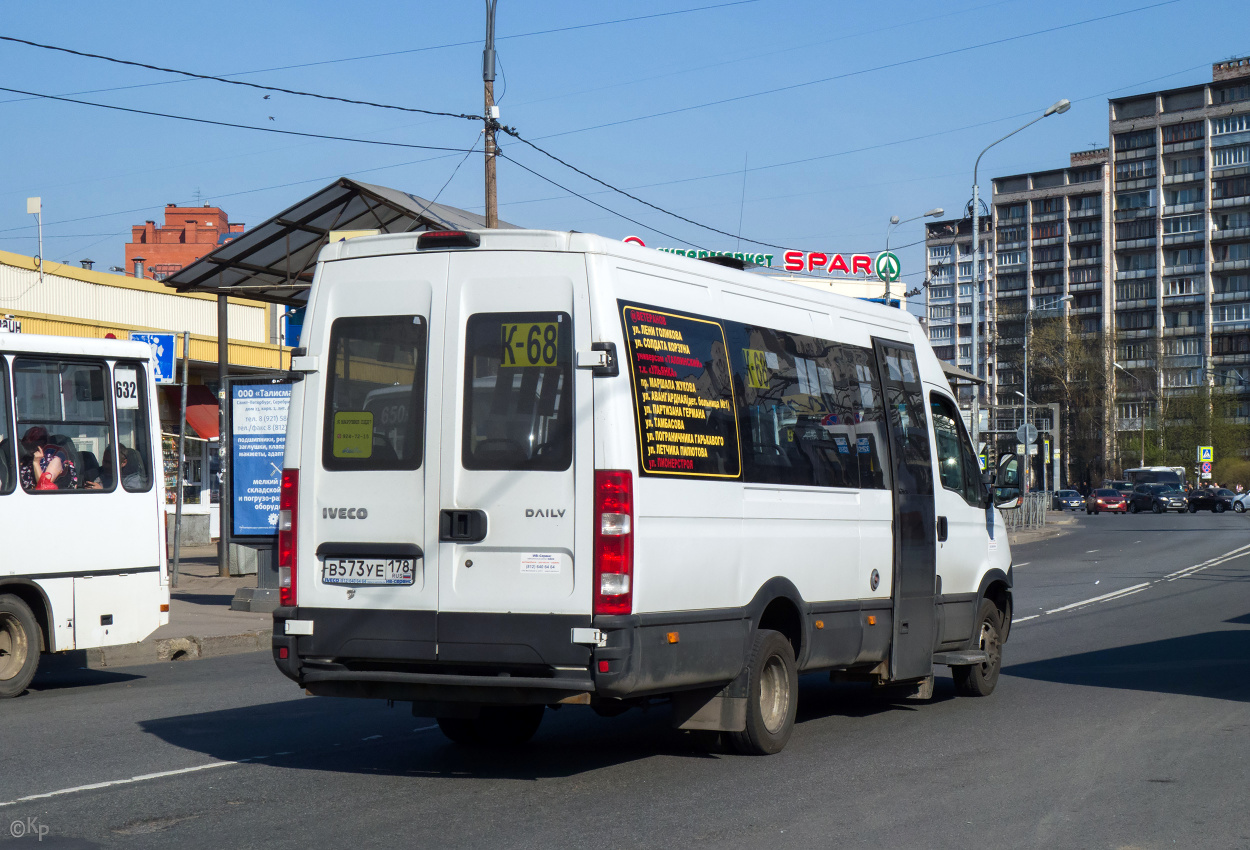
1239 504
1159 498
1066 499
1124 487
1106 500
1216 501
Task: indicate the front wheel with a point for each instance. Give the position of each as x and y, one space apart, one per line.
1155 507
1239 507
772 696
1218 508
1193 509
1132 508
978 680
19 646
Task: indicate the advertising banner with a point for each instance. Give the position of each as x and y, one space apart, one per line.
258 419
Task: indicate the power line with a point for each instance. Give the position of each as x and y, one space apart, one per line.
861 71
222 78
217 79
232 124
597 204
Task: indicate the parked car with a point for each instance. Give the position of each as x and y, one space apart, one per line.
1066 499
1105 499
1159 498
1125 488
1239 504
1216 501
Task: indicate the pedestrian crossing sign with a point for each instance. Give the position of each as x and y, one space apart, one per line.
1205 454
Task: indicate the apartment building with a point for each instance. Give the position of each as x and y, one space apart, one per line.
949 297
1182 240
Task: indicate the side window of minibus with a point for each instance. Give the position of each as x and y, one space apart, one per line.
8 464
957 469
134 454
64 417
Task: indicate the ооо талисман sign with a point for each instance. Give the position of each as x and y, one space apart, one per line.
258 423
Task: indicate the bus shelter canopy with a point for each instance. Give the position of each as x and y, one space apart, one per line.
274 261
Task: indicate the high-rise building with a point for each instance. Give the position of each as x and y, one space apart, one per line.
949 297
188 233
1151 240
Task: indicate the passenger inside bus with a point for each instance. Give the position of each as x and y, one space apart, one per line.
44 464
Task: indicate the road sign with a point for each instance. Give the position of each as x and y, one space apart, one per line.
162 353
1206 469
887 266
1206 453
1027 433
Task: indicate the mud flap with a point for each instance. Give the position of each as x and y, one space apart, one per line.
712 709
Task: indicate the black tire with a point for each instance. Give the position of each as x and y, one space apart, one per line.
1156 509
1239 507
1132 507
1219 508
1193 509
772 696
19 646
496 726
978 680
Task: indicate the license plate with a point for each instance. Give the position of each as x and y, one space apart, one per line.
381 571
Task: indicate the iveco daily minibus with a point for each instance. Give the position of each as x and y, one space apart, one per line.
530 468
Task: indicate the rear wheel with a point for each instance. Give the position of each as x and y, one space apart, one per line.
19 646
497 726
1132 507
978 680
772 696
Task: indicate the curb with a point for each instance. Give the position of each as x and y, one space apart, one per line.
1054 528
177 649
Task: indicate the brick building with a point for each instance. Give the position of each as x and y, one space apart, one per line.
187 234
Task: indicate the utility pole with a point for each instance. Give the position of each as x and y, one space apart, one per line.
491 115
34 206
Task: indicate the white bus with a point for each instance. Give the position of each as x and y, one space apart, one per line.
81 500
529 468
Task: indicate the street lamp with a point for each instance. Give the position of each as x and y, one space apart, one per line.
895 222
1141 413
1059 107
1028 312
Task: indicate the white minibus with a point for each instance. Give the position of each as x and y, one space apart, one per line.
531 468
81 500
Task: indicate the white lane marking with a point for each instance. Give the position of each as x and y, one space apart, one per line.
371 738
1090 551
161 775
1231 555
1104 598
114 782
1026 563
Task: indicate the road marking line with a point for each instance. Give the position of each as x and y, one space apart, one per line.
1090 551
1015 620
371 738
1025 564
1106 597
114 782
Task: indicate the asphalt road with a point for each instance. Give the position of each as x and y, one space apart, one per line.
1118 723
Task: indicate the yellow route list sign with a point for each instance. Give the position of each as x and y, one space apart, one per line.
353 434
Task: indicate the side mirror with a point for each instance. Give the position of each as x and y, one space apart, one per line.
1009 495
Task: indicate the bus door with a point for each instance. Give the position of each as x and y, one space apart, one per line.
508 515
915 533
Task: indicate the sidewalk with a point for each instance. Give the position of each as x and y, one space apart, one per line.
201 624
1057 524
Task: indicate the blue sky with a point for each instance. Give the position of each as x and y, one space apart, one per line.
827 158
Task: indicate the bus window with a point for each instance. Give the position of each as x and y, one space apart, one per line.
134 452
375 401
62 410
8 469
518 410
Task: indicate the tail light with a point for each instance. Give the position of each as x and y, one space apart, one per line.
614 541
288 525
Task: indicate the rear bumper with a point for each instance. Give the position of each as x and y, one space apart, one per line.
429 656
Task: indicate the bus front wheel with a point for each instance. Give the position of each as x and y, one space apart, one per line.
978 680
19 646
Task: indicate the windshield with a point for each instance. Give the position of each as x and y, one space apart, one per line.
1105 493
1159 488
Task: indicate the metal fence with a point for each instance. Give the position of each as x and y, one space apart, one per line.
1030 514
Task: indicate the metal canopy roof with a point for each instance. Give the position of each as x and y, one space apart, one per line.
959 377
274 260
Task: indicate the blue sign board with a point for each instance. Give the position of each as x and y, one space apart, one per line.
162 354
258 426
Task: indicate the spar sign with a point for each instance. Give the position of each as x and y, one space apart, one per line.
884 266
